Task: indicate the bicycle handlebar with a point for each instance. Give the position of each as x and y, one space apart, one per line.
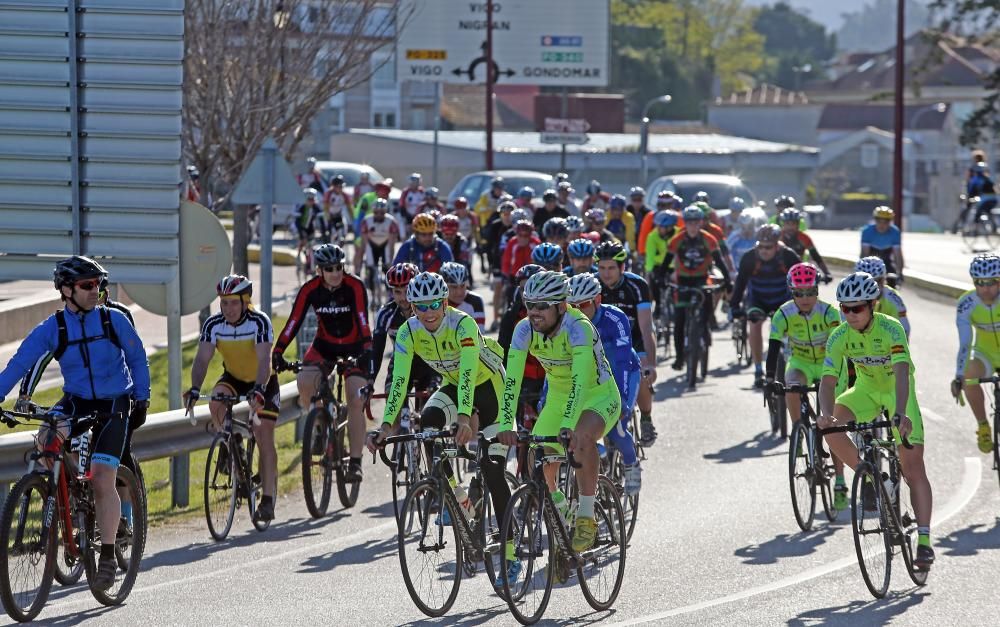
524 437
868 426
797 388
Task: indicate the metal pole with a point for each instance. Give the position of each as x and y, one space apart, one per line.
437 128
897 147
270 150
179 464
489 85
74 126
643 143
564 111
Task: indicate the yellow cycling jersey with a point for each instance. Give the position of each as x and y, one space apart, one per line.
972 313
807 333
873 352
237 343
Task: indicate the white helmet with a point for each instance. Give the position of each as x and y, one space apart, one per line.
519 214
985 266
453 272
872 265
737 204
546 286
858 286
425 287
747 219
583 287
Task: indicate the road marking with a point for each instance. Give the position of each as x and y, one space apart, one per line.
971 479
933 415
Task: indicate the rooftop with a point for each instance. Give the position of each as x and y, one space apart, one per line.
838 116
764 94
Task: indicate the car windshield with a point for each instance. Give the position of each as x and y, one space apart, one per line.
351 174
718 193
513 185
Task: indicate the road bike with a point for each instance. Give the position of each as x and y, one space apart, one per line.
995 382
664 321
882 517
774 400
54 501
697 335
231 473
739 331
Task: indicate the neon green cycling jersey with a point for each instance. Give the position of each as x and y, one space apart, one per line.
807 333
971 313
573 359
456 350
891 304
873 352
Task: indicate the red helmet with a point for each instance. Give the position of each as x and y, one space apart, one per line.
234 285
382 189
461 203
448 224
802 276
401 274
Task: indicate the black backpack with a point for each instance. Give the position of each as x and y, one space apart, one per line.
64 342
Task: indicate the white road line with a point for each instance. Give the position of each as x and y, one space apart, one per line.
971 479
933 416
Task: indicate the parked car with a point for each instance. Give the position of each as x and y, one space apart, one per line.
474 185
352 174
719 187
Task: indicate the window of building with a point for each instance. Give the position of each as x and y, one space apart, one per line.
384 119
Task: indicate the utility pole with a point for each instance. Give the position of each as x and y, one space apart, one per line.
897 146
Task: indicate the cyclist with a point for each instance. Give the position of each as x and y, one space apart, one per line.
306 219
981 186
340 302
732 220
457 277
549 256
580 253
882 239
979 309
780 204
379 236
596 199
621 223
363 186
471 367
637 204
461 248
630 293
567 198
518 251
798 241
763 275
744 238
494 235
424 248
656 251
582 397
525 200
104 370
534 374
489 203
431 202
468 224
366 201
876 345
411 198
665 201
616 335
807 323
549 209
889 301
696 251
337 206
556 232
597 221
243 336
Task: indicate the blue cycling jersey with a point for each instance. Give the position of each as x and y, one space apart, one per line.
880 241
92 366
616 335
739 246
427 258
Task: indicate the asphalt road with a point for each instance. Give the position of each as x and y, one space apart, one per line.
716 542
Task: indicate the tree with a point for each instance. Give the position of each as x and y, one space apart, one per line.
873 28
792 42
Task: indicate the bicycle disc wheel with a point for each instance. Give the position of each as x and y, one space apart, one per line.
220 488
430 554
27 563
630 504
871 537
256 485
801 481
526 523
601 568
66 573
347 491
317 475
128 546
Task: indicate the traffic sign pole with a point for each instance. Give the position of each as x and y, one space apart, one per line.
489 84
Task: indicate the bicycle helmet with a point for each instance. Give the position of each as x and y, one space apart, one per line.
506 206
574 224
701 197
581 248
431 192
526 192
883 213
546 286
611 251
802 276
461 203
524 227
555 228
595 215
328 255
424 223
449 224
383 188
858 286
636 192
737 204
668 200
978 167
547 254
583 287
561 177
496 182
617 202
693 212
527 271
309 192
783 202
747 218
380 204
520 214
768 234
594 187
872 265
549 195
665 218
985 266
790 215
415 177
401 274
426 286
77 268
453 272
234 285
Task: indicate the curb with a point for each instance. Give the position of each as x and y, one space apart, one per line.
280 255
921 280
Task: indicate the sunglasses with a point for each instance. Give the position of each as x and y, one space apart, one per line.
88 285
853 309
586 303
766 246
805 293
433 306
985 282
541 305
334 268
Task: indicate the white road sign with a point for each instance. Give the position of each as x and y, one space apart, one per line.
550 137
566 125
535 42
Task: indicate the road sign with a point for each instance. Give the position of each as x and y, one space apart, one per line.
535 42
566 125
250 189
563 138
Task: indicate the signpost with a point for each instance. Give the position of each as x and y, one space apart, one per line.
565 131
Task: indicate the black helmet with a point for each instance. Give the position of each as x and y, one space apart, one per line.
77 268
337 180
784 202
611 250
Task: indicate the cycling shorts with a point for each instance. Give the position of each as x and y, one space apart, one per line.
377 252
759 311
316 358
989 359
604 400
272 393
813 371
441 409
866 404
111 432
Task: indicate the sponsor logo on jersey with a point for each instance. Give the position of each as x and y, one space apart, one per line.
333 309
467 342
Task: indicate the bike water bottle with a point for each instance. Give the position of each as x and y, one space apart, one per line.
465 503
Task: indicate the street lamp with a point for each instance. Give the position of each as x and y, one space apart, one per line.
938 107
644 134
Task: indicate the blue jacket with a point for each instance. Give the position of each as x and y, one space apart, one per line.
616 334
92 369
427 259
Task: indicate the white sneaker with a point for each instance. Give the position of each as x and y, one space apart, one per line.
633 479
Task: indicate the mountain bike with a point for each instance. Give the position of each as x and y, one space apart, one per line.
995 382
53 496
882 518
231 473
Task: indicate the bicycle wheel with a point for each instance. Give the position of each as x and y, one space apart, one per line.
128 546
871 537
996 442
526 522
693 348
256 488
430 554
705 346
487 528
630 504
220 488
317 463
27 562
825 477
401 482
801 481
68 569
907 536
346 490
601 569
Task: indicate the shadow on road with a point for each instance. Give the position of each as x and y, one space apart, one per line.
75 617
785 545
379 511
971 540
364 553
484 615
874 612
761 445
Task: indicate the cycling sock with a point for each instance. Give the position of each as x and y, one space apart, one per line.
356 461
644 417
758 369
586 509
266 500
924 536
107 551
840 481
509 550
